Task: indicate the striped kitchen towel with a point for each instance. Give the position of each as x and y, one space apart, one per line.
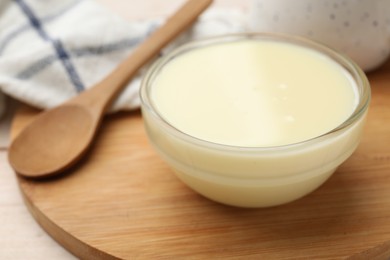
54 49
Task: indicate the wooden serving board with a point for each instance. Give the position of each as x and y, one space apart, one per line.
122 201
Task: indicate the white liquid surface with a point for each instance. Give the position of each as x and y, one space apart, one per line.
254 93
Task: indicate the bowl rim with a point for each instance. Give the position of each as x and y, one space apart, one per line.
357 74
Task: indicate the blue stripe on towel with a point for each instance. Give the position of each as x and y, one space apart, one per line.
88 51
60 50
25 27
106 48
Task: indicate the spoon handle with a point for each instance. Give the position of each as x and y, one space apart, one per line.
99 97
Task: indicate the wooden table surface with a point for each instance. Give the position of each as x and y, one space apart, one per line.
20 235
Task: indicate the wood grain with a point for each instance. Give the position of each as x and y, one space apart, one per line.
122 201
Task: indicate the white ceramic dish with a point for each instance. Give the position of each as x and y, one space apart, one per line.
359 28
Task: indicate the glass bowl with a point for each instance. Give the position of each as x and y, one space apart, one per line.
254 176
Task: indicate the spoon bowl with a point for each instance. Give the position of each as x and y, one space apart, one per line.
45 149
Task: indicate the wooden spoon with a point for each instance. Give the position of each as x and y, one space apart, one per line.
59 137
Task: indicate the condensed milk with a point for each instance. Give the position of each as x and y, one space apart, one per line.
254 120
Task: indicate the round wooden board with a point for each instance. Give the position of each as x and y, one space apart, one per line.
122 201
